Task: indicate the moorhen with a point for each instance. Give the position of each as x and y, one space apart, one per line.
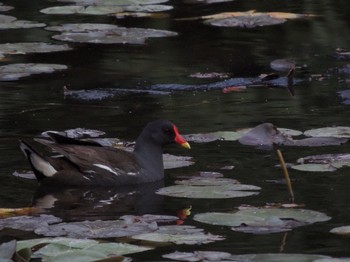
83 163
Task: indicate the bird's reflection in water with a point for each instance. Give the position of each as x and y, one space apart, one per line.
73 204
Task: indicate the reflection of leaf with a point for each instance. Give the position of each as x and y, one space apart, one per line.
263 220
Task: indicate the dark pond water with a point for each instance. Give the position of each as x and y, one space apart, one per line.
35 104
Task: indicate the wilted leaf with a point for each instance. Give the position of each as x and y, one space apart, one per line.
11 212
263 220
188 235
13 72
248 19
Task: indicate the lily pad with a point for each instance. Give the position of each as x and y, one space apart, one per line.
314 167
171 161
11 22
338 132
322 163
188 235
68 248
106 34
13 72
224 256
282 65
263 220
343 230
5 8
116 2
77 133
209 188
28 223
35 47
85 10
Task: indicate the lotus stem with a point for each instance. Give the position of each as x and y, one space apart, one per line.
286 174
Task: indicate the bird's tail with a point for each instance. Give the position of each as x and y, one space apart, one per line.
41 167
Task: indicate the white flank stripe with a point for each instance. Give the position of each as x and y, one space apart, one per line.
106 168
42 165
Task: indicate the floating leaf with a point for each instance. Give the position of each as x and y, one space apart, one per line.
5 8
209 188
224 256
28 223
13 72
337 132
171 161
116 2
35 47
278 257
11 22
61 249
188 235
199 256
322 163
263 220
314 167
282 65
85 10
343 230
77 133
106 34
7 250
11 212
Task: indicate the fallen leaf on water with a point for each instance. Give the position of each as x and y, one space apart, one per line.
12 212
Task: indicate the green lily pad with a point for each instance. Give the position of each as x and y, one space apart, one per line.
5 8
322 163
171 161
343 230
209 188
263 220
314 167
282 65
106 34
13 72
148 8
224 256
338 132
85 10
11 22
63 248
188 235
116 2
35 47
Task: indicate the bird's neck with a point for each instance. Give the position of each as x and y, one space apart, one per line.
151 158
